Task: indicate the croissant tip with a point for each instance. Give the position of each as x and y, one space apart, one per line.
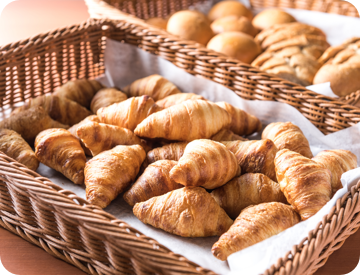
216 251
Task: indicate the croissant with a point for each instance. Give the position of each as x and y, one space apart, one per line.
172 100
255 224
305 183
60 150
187 212
246 190
226 135
92 118
13 145
109 173
129 113
154 85
81 91
242 123
205 163
99 137
338 162
286 135
254 156
172 151
29 123
106 97
60 109
187 121
155 181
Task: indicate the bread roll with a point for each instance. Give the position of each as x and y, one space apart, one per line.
271 17
235 44
225 8
190 25
157 22
234 23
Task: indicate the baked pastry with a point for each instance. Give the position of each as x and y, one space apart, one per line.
187 121
172 100
155 181
60 109
106 97
172 151
109 173
255 224
233 23
246 190
182 212
155 86
242 123
13 145
286 135
190 25
305 183
99 137
226 135
60 150
129 113
225 8
157 22
81 91
338 162
205 163
29 123
254 156
341 67
235 44
270 17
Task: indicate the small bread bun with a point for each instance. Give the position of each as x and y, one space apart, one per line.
157 22
233 23
271 17
225 8
235 44
190 25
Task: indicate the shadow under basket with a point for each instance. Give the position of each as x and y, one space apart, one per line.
84 235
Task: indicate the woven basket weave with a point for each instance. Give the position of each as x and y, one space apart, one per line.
69 228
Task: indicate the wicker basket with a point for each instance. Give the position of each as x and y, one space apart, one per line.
84 235
144 9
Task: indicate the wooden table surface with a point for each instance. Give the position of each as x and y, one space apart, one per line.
24 18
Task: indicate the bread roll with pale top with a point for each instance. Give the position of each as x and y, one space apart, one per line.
271 17
225 8
234 23
190 25
235 44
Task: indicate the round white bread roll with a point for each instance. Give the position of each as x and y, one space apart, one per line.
225 8
235 44
271 17
233 23
190 25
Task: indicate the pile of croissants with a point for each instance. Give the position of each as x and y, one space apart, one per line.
182 162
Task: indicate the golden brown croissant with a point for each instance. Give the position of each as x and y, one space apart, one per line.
106 97
305 183
205 163
172 151
154 85
60 150
129 113
13 145
29 123
187 121
338 162
172 100
254 156
81 91
60 109
255 224
99 137
286 135
187 212
109 173
155 181
226 135
242 123
246 190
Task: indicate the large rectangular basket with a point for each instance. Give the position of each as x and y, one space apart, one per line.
84 235
144 9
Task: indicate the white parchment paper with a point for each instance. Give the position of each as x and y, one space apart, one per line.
124 64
